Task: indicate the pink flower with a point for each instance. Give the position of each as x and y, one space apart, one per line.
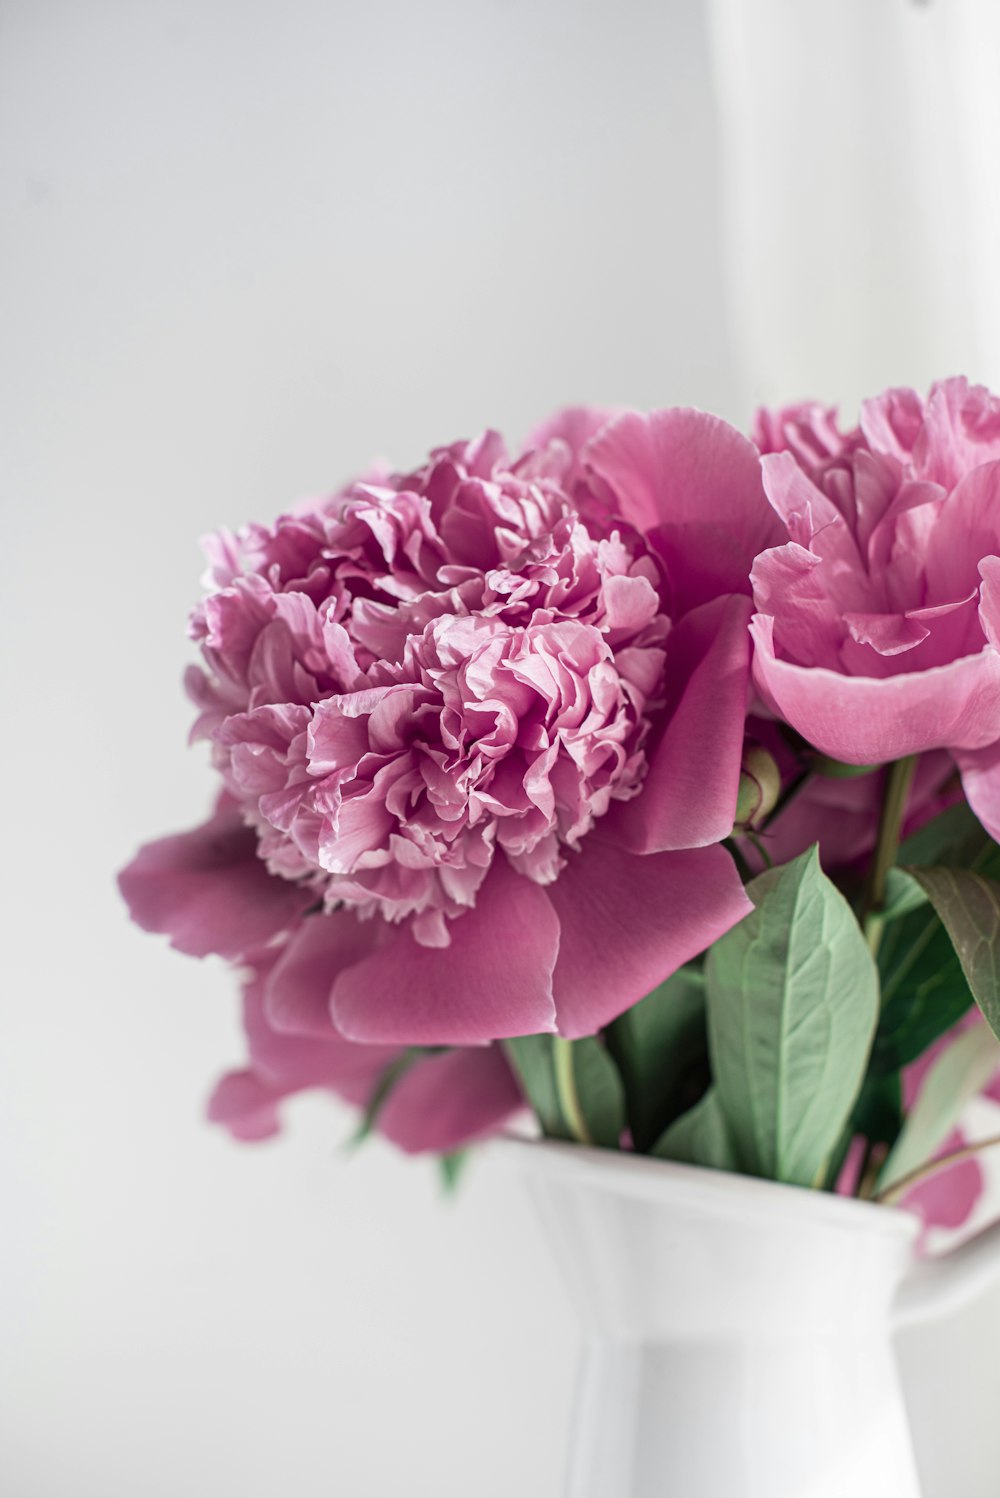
495 710
842 814
947 1198
439 1101
208 891
877 621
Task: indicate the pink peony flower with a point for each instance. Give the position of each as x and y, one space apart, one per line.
439 1101
877 621
488 717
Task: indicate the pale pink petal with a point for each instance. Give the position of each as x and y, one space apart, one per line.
209 892
966 529
493 980
892 422
630 920
693 484
868 720
688 798
447 1101
989 599
961 430
574 426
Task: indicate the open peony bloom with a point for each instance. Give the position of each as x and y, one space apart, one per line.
878 620
485 722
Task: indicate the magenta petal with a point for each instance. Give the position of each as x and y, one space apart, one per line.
630 920
208 891
693 484
493 980
291 1063
247 1106
870 720
981 784
688 798
297 990
946 1199
446 1101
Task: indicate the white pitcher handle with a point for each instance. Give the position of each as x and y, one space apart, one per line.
943 1284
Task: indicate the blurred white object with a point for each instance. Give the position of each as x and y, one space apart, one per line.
739 1332
861 191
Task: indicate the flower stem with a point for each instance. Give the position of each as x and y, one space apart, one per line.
569 1098
931 1167
898 780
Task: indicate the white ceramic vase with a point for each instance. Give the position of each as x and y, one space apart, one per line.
738 1332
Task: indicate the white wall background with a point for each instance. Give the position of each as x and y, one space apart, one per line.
246 247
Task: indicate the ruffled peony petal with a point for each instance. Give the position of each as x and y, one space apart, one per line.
870 720
628 921
447 1101
689 794
574 427
961 430
692 483
209 892
493 980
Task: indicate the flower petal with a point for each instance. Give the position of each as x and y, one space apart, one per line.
688 798
980 771
246 1105
446 1101
693 484
628 921
493 980
870 720
208 891
297 990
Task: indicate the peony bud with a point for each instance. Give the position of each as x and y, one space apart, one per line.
760 787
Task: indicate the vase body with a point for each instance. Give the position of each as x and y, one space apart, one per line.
738 1333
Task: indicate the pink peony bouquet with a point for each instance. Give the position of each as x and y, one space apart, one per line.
647 779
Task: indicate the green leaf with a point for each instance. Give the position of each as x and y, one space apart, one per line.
531 1056
661 1050
792 1008
700 1137
956 837
968 904
877 1117
380 1092
599 1092
957 1076
451 1167
903 895
924 991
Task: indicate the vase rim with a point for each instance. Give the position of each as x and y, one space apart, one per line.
650 1179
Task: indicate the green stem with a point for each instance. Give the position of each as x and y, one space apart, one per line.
796 784
898 780
569 1098
763 854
